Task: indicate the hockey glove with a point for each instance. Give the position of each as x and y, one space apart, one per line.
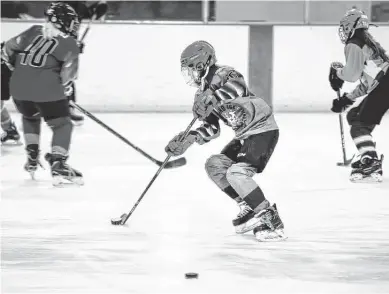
99 9
176 147
204 104
335 81
81 46
340 105
68 88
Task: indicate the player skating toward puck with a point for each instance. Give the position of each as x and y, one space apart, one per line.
365 61
223 94
42 57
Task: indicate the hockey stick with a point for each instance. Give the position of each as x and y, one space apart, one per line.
346 161
171 164
124 217
87 28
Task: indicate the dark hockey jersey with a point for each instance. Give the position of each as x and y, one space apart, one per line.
41 66
237 107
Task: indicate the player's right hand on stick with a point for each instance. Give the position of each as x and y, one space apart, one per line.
177 146
340 105
68 88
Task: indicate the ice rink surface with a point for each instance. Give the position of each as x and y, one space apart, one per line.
60 240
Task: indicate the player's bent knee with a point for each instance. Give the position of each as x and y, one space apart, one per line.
60 122
239 170
216 164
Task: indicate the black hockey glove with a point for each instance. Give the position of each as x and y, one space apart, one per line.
81 46
99 9
335 81
340 105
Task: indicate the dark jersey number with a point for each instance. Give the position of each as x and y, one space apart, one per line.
36 53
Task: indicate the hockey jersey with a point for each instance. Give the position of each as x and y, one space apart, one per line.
361 64
237 107
41 66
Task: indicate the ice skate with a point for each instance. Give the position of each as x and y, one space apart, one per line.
77 119
367 170
245 220
271 228
61 172
32 161
11 136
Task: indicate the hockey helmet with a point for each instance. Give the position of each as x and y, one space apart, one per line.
62 16
195 61
353 19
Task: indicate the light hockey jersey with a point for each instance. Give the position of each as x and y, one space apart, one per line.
363 65
237 107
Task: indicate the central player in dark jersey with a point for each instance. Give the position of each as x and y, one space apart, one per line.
224 95
44 60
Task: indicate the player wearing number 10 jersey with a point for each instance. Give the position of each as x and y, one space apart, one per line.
44 60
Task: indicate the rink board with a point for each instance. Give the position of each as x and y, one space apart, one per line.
136 67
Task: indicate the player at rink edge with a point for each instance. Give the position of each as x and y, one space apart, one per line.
223 95
43 58
366 61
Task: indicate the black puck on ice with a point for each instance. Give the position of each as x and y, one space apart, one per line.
191 275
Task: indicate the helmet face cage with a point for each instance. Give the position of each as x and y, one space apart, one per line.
62 16
195 60
354 19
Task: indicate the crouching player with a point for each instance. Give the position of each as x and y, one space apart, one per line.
223 95
42 57
365 60
11 133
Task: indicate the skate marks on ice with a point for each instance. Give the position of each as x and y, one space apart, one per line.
61 240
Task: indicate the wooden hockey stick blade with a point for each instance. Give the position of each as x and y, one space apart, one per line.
174 163
346 163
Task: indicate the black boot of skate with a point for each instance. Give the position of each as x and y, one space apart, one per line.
368 169
32 160
11 135
77 119
271 228
245 220
61 172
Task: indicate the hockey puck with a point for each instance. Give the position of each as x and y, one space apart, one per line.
191 275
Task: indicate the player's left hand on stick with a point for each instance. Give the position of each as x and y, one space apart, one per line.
81 45
204 104
335 82
340 105
177 146
100 9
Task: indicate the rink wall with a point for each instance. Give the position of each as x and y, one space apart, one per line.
135 67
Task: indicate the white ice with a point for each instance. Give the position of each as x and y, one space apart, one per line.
60 240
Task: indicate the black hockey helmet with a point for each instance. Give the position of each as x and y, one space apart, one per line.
62 16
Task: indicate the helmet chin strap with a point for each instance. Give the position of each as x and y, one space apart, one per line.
202 85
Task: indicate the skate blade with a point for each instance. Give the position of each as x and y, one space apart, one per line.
59 181
12 143
373 178
271 236
248 226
